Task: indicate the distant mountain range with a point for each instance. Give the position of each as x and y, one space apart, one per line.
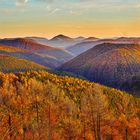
90 42
59 41
114 62
63 41
109 64
42 54
91 39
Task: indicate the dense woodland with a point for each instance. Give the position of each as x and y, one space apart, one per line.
44 106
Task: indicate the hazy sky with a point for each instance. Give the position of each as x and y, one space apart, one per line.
101 18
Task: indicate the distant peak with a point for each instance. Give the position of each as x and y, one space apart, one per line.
35 37
91 38
61 37
80 38
123 38
24 40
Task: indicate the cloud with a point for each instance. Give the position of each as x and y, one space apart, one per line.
52 10
21 2
91 5
55 10
49 1
7 11
80 6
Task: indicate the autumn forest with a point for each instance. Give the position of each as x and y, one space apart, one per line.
69 69
44 106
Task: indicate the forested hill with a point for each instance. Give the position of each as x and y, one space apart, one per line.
41 105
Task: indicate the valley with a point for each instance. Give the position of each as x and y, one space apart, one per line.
111 62
88 90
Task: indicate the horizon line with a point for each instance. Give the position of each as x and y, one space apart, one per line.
50 37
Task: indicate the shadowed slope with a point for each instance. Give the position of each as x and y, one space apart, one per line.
109 64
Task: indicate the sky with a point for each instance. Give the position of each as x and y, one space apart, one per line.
47 18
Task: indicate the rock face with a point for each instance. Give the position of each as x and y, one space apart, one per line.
109 64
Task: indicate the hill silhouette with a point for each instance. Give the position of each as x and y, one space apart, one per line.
108 64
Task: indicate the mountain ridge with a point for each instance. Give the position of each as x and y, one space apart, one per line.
57 55
107 63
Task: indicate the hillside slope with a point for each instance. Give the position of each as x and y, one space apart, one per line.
34 102
14 64
28 55
44 51
135 84
109 64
